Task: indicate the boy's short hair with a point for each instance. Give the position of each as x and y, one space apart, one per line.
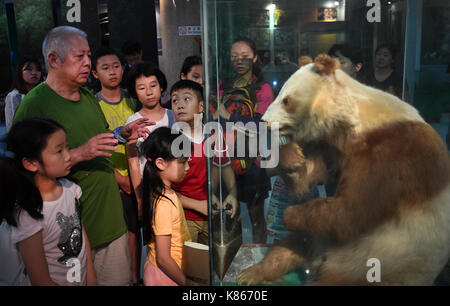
144 69
188 84
103 51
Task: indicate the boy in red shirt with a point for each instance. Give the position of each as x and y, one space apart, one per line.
187 106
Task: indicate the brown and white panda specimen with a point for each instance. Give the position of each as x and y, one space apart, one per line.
393 190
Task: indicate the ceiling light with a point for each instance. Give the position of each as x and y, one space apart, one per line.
271 7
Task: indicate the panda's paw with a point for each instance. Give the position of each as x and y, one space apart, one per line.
255 276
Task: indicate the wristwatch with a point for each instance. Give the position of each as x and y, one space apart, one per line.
118 137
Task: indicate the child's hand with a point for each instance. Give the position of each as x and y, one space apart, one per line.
230 205
231 200
222 112
136 129
215 116
215 205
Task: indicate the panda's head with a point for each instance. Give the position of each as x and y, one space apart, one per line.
307 106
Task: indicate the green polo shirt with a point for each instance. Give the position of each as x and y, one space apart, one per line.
101 206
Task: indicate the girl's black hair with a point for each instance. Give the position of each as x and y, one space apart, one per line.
256 66
18 82
190 62
144 69
157 145
26 140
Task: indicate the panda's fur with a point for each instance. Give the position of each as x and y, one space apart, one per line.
393 194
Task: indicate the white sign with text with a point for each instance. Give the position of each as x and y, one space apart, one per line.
189 30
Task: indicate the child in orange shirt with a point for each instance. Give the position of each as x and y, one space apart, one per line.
164 225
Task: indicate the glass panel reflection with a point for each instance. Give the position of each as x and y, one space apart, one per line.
253 48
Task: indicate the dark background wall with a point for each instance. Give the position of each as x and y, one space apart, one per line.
134 20
125 20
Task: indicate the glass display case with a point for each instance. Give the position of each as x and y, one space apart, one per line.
285 35
250 49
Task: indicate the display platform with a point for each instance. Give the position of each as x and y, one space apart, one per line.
250 254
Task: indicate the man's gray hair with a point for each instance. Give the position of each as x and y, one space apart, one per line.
56 41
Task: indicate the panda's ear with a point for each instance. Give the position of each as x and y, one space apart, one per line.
325 64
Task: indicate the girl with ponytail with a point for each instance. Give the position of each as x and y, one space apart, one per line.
40 210
164 225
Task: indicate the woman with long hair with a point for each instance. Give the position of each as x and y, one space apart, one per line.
28 75
245 98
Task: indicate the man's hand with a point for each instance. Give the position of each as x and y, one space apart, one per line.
94 147
136 129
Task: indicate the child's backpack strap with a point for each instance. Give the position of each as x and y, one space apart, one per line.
171 118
